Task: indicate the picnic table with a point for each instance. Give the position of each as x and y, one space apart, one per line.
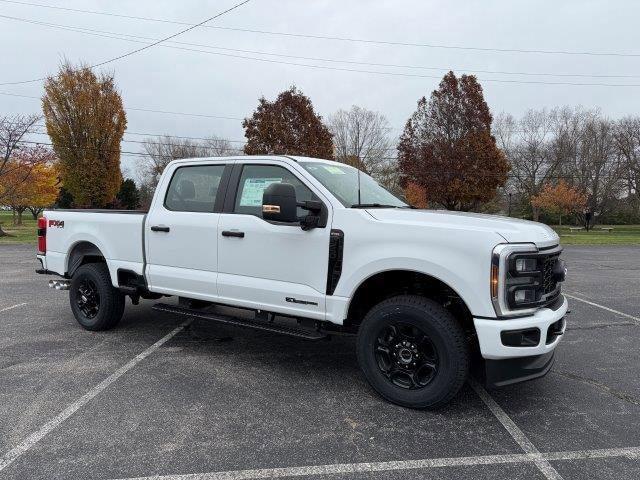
575 229
607 229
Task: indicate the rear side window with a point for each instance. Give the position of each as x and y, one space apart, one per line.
256 178
194 189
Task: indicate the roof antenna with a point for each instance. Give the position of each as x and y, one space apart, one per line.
358 169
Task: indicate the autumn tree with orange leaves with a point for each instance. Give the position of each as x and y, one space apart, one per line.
86 120
560 199
288 126
30 182
416 195
447 147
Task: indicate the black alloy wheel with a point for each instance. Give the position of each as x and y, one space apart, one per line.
88 298
95 302
406 356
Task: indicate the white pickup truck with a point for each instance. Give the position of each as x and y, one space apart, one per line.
429 294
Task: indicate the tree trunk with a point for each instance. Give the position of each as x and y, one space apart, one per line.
560 220
17 220
3 233
536 213
35 211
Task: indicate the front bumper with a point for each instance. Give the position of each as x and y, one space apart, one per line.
499 373
489 332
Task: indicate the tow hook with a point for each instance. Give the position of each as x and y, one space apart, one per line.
60 284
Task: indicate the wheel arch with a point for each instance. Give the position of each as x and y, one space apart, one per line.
83 252
384 284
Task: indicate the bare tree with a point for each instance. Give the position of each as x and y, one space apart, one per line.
219 147
595 165
627 139
527 144
578 146
361 138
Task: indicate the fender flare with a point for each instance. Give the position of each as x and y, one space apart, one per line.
79 252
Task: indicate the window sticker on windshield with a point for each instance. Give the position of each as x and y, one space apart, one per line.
253 189
334 170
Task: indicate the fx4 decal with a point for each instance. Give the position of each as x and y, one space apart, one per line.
56 223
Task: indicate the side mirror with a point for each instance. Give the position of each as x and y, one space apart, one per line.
279 203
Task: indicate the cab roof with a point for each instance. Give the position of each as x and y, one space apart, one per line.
295 158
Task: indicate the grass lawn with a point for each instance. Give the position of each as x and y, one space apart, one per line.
621 235
25 233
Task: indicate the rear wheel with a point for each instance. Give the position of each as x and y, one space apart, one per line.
95 303
413 352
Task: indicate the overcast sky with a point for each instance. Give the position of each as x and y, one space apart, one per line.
171 79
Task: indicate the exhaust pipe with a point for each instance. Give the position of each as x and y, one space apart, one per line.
60 284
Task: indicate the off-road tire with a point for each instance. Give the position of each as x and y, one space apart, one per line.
446 337
111 301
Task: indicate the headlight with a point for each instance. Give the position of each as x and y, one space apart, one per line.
526 264
524 295
523 278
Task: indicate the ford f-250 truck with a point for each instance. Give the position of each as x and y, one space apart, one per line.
429 294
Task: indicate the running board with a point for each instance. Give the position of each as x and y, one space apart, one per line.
240 322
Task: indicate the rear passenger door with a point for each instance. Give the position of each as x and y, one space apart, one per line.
181 231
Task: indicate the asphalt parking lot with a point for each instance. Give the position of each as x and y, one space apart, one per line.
158 398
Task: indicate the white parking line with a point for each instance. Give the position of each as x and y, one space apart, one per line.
344 468
635 319
12 307
38 435
518 435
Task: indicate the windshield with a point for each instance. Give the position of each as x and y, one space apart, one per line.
342 182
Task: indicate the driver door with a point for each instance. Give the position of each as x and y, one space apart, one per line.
264 265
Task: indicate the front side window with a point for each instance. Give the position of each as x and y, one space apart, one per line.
194 189
256 178
342 181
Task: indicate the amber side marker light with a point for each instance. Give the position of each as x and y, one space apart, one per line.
494 281
271 209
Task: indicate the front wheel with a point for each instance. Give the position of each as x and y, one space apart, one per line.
413 352
95 303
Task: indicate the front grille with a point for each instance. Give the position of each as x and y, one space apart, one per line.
549 282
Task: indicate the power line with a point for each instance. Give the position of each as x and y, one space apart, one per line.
151 142
138 50
121 36
337 38
322 67
146 110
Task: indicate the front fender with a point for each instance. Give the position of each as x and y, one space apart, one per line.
467 289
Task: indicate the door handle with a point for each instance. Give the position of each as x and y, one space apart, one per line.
160 228
232 233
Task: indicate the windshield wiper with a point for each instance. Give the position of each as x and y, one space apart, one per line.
376 205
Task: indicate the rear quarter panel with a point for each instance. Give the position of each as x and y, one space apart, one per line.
117 235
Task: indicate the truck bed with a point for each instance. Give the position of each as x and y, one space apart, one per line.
119 234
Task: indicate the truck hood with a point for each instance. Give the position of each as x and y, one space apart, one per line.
511 229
